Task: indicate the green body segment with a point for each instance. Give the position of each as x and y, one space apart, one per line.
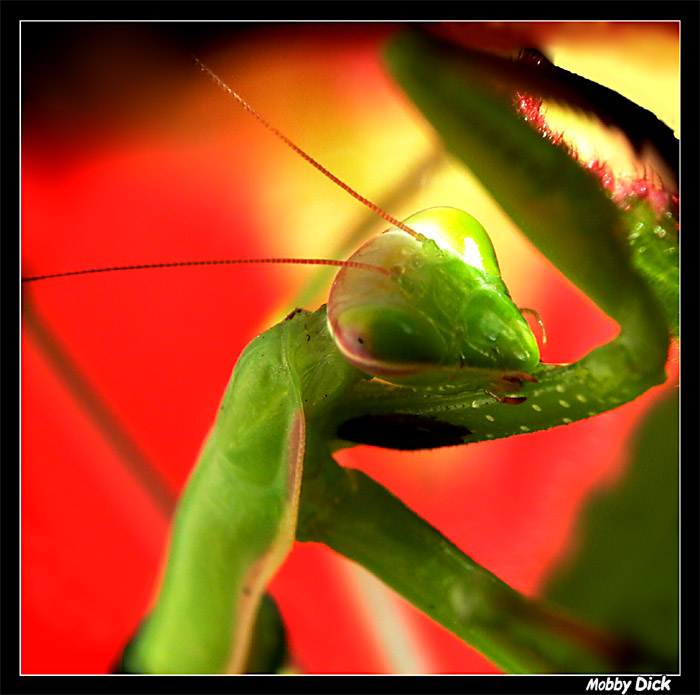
443 307
234 523
236 520
654 243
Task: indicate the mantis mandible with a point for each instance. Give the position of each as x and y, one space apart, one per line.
293 426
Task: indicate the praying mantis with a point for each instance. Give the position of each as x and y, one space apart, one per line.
490 402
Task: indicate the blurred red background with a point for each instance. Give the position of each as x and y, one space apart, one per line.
131 155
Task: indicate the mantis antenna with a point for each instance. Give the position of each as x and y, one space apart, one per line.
228 261
375 208
297 261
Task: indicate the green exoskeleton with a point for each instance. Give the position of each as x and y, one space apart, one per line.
419 346
443 307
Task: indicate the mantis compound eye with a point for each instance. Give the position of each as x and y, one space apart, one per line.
388 341
442 306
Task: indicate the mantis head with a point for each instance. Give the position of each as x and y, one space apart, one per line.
442 307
